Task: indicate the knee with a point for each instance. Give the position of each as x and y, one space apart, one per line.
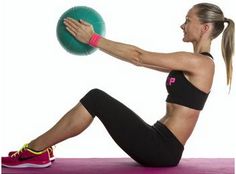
92 100
95 94
95 91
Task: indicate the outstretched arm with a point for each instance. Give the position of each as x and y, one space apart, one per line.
126 52
184 61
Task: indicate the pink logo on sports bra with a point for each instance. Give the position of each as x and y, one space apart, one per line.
170 81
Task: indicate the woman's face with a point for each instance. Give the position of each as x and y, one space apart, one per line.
192 27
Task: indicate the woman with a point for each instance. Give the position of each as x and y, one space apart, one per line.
188 84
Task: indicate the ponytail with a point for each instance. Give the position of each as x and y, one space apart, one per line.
211 13
227 47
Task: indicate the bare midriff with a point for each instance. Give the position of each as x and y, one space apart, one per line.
180 120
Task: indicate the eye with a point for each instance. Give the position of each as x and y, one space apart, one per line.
186 21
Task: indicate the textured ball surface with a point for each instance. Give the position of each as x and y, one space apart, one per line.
68 41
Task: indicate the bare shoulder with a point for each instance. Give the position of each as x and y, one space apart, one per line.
205 63
201 63
202 76
183 61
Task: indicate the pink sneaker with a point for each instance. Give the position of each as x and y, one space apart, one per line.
50 150
27 158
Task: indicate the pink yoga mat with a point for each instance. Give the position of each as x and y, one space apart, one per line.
128 166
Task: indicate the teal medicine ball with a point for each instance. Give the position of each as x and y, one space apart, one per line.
67 41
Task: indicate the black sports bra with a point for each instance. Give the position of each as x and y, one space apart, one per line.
183 92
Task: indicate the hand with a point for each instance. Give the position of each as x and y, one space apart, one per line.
81 30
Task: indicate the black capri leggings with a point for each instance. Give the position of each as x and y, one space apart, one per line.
153 146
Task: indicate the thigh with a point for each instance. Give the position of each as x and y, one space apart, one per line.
129 131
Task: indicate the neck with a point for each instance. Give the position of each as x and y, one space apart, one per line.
203 45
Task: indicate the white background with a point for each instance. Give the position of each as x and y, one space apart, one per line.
40 81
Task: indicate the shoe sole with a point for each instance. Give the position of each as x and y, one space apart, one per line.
52 159
28 165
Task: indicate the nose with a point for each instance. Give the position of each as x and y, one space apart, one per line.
182 26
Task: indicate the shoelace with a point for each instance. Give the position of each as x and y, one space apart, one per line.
25 146
20 151
50 149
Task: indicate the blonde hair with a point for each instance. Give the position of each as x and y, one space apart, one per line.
210 13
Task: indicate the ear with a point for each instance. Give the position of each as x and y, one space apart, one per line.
205 28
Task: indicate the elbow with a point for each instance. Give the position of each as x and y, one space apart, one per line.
136 58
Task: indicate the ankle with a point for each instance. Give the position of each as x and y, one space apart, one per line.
32 146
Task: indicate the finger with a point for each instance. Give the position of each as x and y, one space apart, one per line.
71 31
71 22
70 26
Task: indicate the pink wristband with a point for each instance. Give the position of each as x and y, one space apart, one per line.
94 40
